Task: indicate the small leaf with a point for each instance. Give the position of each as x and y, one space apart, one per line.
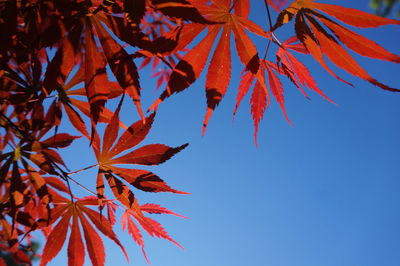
111 131
276 88
244 86
123 194
358 43
189 68
76 120
258 105
60 140
144 180
134 135
151 154
133 230
155 208
353 16
56 183
340 57
63 62
154 228
180 9
121 65
310 42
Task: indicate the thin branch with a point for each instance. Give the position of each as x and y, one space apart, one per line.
275 39
15 127
269 15
24 235
166 62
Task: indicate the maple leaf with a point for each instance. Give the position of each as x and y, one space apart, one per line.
45 41
151 154
149 225
65 211
181 9
294 69
93 64
92 72
24 188
71 106
95 74
192 64
260 98
314 40
40 152
311 25
157 209
17 172
63 61
152 227
121 65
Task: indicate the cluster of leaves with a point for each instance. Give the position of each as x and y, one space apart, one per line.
62 61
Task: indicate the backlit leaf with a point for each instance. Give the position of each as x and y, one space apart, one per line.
151 154
56 239
95 75
76 250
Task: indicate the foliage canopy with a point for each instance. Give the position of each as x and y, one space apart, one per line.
61 61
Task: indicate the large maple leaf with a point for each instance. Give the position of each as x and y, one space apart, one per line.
65 101
294 69
231 19
287 65
70 215
151 154
311 25
152 227
32 149
80 47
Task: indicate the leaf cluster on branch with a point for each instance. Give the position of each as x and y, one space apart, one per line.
62 61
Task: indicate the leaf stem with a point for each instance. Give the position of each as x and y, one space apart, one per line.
266 50
92 192
82 186
83 169
63 174
166 62
69 188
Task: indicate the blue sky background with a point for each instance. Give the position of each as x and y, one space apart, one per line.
322 192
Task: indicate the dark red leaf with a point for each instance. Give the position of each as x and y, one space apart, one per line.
95 75
180 9
151 154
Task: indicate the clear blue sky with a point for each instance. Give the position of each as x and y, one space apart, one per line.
322 192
